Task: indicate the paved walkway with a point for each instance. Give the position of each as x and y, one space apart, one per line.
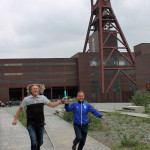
15 137
12 137
62 134
19 130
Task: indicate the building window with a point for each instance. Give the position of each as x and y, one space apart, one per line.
93 45
39 80
95 85
123 61
95 72
13 74
94 61
116 86
132 87
130 71
18 64
50 64
117 61
110 72
50 73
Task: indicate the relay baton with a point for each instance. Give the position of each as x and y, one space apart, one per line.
65 94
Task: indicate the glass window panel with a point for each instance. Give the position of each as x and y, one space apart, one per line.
94 61
95 72
93 45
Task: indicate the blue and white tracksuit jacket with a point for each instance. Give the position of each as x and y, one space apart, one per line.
80 112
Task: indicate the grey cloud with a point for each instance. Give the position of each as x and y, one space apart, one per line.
47 28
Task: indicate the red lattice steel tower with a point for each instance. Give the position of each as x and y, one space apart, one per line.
104 21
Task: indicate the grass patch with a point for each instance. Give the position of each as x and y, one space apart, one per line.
68 116
129 142
23 118
118 131
116 113
140 146
94 123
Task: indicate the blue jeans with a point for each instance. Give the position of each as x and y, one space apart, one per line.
81 134
36 135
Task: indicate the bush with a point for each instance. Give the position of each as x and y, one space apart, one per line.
128 142
68 116
141 98
94 123
147 110
23 118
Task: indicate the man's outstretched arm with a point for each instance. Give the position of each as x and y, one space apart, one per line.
50 104
17 115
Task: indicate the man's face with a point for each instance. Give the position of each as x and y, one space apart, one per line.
34 90
80 97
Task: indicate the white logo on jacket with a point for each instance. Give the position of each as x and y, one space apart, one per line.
85 106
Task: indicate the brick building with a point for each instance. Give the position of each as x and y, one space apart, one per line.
80 72
56 74
59 74
142 59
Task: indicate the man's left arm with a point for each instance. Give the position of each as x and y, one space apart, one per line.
50 104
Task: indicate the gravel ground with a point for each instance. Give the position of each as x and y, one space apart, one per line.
116 126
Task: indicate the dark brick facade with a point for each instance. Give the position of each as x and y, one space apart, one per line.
81 71
18 73
90 83
142 59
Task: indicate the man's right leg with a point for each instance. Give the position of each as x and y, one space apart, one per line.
39 132
32 133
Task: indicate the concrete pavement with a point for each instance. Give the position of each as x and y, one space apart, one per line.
12 137
62 134
19 129
16 137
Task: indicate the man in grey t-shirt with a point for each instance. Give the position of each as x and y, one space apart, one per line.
35 113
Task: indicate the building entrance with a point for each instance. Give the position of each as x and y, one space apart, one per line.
58 92
15 94
53 93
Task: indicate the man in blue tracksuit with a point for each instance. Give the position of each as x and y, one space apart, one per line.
80 118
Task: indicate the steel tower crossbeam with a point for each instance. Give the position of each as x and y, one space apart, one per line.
104 20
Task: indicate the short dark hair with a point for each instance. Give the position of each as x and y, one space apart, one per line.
80 92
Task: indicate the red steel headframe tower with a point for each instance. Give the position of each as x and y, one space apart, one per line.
104 21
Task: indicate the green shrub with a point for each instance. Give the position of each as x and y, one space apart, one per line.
147 110
140 146
129 142
68 116
141 98
23 118
94 123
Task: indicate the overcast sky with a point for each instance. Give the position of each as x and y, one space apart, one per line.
57 28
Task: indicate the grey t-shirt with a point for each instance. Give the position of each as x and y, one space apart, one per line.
35 109
30 100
